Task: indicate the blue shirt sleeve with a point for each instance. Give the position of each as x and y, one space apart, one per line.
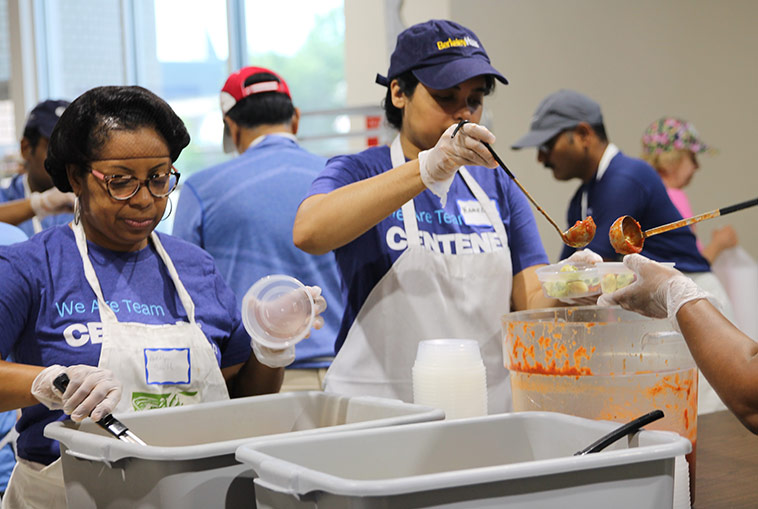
341 171
17 292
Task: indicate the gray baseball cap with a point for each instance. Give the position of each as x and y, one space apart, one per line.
559 111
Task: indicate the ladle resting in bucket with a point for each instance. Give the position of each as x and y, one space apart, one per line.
577 236
627 237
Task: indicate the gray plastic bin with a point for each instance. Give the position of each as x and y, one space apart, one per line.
520 460
189 461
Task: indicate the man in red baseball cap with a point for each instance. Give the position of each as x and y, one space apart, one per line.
242 211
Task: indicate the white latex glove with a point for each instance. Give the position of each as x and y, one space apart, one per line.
439 164
587 257
91 391
658 292
279 358
51 201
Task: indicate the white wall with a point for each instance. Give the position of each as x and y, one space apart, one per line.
639 60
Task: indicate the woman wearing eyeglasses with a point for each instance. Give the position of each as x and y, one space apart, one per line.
137 320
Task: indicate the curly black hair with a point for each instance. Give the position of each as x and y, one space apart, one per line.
85 127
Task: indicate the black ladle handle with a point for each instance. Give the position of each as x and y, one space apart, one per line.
620 432
738 206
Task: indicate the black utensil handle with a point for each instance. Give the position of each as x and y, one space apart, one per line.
61 382
498 160
739 206
626 429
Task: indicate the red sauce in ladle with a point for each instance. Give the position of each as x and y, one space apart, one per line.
581 233
626 235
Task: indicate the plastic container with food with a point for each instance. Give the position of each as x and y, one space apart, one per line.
615 275
566 280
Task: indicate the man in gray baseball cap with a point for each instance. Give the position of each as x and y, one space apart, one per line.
559 112
569 132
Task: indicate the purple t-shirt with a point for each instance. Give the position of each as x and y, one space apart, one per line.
50 314
455 229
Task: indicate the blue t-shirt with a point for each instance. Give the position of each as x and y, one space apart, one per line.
242 212
50 314
7 458
365 260
632 187
15 191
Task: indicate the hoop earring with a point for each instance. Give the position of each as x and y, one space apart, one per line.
170 210
77 211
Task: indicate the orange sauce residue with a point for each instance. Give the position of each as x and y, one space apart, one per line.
552 369
674 385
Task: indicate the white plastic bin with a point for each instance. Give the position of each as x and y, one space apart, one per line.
520 460
189 460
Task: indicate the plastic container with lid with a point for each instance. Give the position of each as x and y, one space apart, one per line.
615 275
278 311
566 280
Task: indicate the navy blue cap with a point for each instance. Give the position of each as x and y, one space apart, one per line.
45 115
441 54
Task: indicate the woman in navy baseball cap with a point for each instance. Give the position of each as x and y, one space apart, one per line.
430 241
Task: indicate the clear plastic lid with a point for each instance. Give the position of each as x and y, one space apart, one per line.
278 311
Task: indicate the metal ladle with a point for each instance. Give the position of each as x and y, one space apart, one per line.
577 236
627 237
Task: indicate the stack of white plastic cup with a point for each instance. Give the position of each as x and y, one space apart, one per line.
681 483
449 374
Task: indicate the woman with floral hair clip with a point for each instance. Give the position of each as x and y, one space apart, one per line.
672 146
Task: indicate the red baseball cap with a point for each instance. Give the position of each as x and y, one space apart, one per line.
238 86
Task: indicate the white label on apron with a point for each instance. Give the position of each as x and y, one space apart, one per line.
473 213
167 366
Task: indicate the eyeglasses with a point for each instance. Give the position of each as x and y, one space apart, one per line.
123 187
547 147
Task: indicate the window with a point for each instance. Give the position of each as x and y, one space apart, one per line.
182 54
8 141
183 50
307 50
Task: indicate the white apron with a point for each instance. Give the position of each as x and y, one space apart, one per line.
170 365
428 295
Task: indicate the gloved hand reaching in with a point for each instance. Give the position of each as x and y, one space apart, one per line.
439 164
658 292
51 201
284 318
91 391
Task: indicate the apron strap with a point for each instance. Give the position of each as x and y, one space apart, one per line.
106 313
489 208
184 296
409 211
